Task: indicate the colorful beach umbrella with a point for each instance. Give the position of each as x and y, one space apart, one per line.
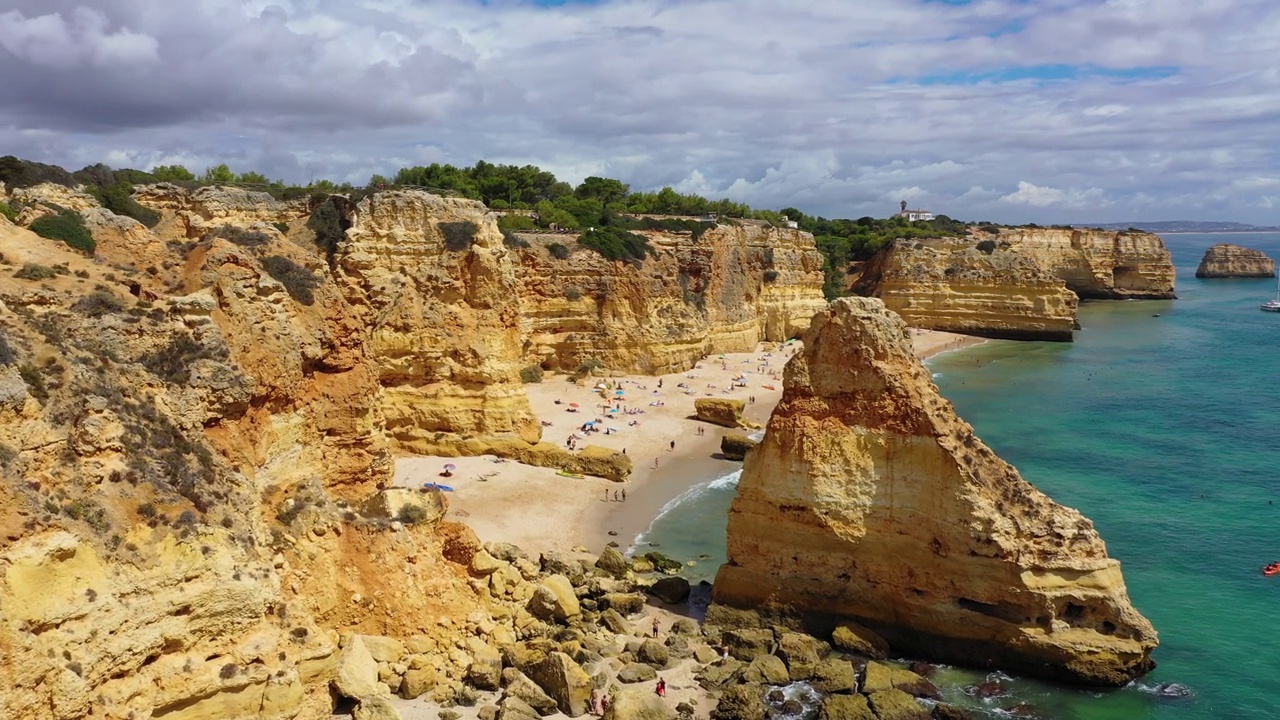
450 467
573 405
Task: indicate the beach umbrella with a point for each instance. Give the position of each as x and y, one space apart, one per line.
450 467
573 405
619 392
614 429
589 422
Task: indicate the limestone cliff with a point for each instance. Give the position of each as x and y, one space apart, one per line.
869 499
959 286
725 291
1098 264
1225 260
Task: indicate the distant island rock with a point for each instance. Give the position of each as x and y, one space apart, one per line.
1225 260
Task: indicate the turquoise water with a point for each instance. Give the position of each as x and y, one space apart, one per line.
1166 432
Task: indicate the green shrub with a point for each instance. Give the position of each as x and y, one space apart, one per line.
616 244
327 223
573 292
15 173
35 381
992 229
118 198
8 212
516 221
34 271
7 356
98 303
67 226
459 236
770 275
531 374
585 368
987 246
297 280
283 227
411 514
173 363
558 251
512 240
238 236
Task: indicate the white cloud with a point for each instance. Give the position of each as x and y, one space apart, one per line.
818 106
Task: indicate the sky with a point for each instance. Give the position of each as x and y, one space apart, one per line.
1015 111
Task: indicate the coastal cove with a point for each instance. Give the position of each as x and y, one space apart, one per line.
1156 428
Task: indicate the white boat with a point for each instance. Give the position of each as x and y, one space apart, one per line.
1272 305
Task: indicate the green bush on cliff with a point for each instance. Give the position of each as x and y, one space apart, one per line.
118 198
98 303
558 251
459 236
35 271
531 374
7 356
67 226
326 222
8 212
616 244
298 281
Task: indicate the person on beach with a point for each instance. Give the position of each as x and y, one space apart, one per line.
606 494
624 494
673 446
655 627
615 496
655 463
661 688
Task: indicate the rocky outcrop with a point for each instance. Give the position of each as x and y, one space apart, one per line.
723 412
869 500
1098 264
192 213
732 287
1225 260
957 285
734 446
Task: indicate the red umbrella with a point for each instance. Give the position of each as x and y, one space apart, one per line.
573 405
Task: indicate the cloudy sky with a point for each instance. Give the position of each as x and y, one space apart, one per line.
1009 110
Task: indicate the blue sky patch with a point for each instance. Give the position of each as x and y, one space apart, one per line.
1041 73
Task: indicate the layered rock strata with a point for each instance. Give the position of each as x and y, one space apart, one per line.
870 500
724 291
954 285
1098 264
1225 260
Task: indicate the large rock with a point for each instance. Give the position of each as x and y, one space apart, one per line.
636 672
513 708
554 600
485 670
869 499
741 702
853 638
670 590
357 675
723 411
800 653
417 682
845 707
833 675
748 643
718 674
734 446
383 649
878 676
636 703
1098 264
767 670
564 681
421 506
613 562
1225 260
518 685
561 563
624 603
376 707
653 653
896 705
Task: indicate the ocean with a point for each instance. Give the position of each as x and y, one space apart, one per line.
1165 431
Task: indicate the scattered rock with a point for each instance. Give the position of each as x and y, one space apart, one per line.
636 672
723 412
685 710
625 603
635 703
923 669
800 653
383 649
449 715
775 696
614 621
555 600
705 655
662 563
988 689
735 446
766 670
506 552
845 707
945 711
485 670
833 675
565 681
376 707
612 562
685 626
670 590
357 674
792 707
483 564
747 643
561 563
653 653
527 691
896 705
718 674
488 712
513 708
853 638
417 682
740 702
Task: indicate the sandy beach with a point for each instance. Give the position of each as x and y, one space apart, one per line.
538 509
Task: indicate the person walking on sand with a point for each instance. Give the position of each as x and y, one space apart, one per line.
615 496
673 446
661 689
624 494
655 627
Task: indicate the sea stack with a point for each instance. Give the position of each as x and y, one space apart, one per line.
1225 260
870 500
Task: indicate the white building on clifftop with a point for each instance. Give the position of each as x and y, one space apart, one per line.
913 215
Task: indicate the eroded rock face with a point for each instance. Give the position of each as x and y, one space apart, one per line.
869 499
958 285
1098 264
1225 260
734 286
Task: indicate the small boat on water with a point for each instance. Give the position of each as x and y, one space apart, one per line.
1271 569
1272 305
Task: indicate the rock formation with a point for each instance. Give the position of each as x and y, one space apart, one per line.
1098 264
1225 260
979 289
732 287
869 500
725 412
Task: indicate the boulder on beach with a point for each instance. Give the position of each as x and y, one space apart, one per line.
723 412
636 703
734 446
671 590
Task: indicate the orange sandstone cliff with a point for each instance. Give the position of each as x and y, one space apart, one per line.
869 499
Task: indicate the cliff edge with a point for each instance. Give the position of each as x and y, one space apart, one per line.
869 499
1225 260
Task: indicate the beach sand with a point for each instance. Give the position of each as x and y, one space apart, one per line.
537 509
